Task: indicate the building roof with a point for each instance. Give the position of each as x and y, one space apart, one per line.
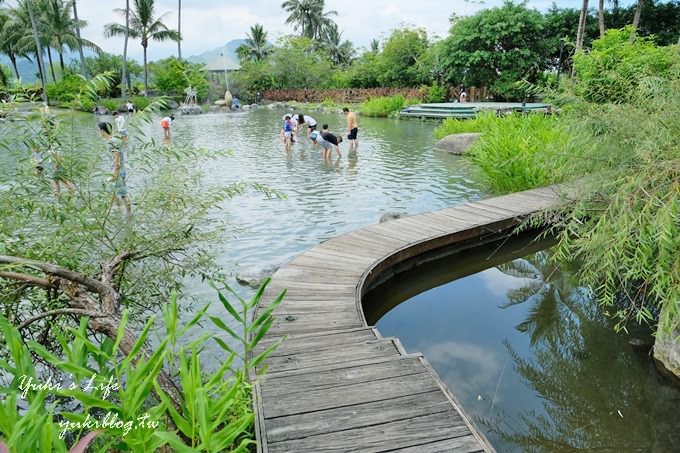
218 64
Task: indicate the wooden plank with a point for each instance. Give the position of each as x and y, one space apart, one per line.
347 418
420 224
462 444
379 348
318 400
401 366
494 210
396 233
486 217
376 438
293 345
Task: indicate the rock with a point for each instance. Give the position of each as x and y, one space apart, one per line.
667 352
386 217
457 143
253 106
221 103
191 110
245 107
172 104
228 99
253 277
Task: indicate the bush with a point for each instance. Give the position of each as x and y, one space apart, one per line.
172 76
67 89
437 93
613 70
111 104
140 102
385 106
518 152
459 126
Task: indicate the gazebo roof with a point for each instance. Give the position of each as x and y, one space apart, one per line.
218 64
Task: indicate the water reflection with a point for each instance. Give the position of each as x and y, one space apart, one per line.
536 363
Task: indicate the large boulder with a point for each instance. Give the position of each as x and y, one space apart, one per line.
172 104
255 277
457 143
220 103
667 353
228 99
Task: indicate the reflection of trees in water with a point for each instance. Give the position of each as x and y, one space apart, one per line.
597 392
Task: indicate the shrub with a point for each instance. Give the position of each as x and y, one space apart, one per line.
67 89
140 102
613 70
459 126
385 106
437 93
518 152
172 76
111 104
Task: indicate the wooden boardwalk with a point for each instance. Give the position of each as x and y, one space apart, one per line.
336 385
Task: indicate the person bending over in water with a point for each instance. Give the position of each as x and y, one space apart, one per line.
116 148
309 121
165 124
332 139
326 146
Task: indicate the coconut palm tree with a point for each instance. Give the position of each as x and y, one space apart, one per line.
10 34
309 16
581 25
179 29
256 47
375 46
143 25
600 17
638 14
62 30
80 45
123 78
27 5
340 53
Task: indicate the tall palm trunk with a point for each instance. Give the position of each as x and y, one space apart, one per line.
636 19
146 71
13 59
49 57
123 78
581 25
83 68
179 29
38 53
600 16
61 59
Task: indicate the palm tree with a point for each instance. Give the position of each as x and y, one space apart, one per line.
340 53
10 34
142 25
581 25
309 16
375 46
256 47
638 14
38 48
80 44
179 29
123 78
62 29
600 17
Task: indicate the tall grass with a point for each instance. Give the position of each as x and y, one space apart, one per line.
452 126
516 152
385 107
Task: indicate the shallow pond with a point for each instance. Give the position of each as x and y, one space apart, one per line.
528 353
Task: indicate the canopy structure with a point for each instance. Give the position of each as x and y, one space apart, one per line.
221 63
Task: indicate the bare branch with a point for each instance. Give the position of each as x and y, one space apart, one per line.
59 312
26 278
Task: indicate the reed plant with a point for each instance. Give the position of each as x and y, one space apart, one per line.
384 107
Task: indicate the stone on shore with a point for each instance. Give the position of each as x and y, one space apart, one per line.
255 277
457 143
667 353
386 217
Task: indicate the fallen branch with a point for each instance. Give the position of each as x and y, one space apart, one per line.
59 312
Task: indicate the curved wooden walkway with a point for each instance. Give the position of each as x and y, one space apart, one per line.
336 385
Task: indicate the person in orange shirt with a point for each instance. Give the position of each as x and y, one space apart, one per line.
352 127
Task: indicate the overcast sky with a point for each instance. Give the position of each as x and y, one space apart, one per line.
207 24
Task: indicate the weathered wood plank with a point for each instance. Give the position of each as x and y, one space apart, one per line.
346 418
293 345
402 366
378 348
376 438
350 395
462 444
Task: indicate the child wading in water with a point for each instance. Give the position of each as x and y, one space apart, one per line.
53 152
116 146
165 124
287 133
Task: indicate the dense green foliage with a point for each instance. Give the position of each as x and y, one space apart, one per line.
113 64
616 147
496 48
613 70
385 106
67 89
401 58
172 76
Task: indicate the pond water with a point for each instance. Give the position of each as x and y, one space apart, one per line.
528 353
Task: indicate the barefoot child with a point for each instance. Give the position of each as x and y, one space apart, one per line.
165 124
116 146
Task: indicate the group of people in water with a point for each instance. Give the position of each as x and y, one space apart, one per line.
294 123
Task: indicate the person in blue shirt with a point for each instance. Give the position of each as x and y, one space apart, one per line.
287 133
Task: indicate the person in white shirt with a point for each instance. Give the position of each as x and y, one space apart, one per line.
309 121
130 107
121 127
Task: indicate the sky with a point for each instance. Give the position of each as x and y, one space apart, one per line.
207 24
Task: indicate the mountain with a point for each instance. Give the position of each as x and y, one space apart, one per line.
28 70
211 55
